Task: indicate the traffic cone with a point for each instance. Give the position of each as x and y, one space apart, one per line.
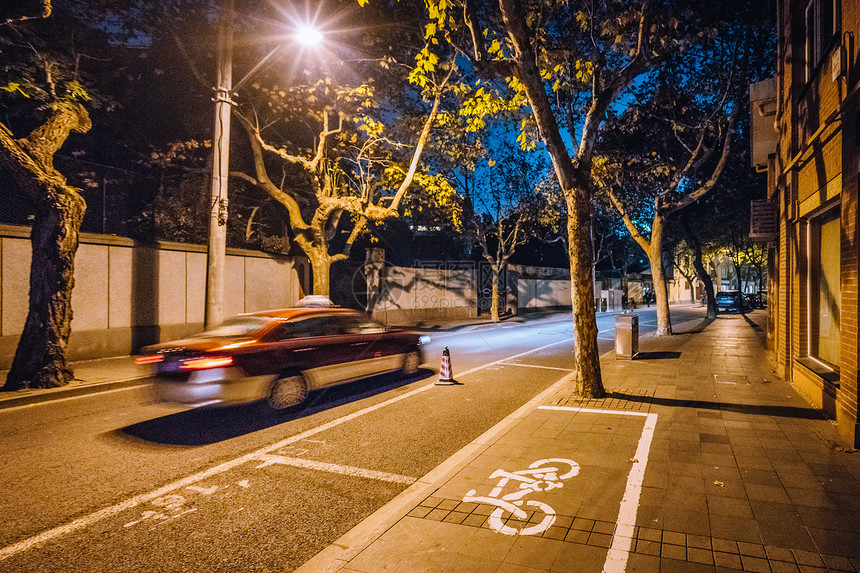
446 377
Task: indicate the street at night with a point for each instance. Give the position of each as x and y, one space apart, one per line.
439 286
117 475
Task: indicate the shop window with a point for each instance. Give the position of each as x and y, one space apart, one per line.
822 19
824 288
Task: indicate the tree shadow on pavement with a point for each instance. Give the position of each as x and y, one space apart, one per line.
212 424
779 411
698 328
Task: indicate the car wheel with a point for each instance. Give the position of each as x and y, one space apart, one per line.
411 362
287 392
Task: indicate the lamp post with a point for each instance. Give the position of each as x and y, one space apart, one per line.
216 253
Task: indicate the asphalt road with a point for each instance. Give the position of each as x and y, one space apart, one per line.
117 482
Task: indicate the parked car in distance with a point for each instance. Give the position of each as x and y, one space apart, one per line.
731 300
279 356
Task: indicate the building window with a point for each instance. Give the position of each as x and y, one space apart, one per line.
822 19
824 288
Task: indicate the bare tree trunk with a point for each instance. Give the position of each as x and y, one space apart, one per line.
703 275
586 355
40 358
661 290
494 304
321 270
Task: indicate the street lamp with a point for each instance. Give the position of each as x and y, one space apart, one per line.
216 254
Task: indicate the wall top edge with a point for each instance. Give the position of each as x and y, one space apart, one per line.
23 232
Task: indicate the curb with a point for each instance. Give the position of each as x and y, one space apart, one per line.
51 394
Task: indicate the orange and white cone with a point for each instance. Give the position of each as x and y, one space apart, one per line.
445 374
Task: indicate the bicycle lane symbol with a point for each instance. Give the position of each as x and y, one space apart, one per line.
542 475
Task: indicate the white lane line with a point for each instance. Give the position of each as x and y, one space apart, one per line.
271 459
537 366
137 500
622 539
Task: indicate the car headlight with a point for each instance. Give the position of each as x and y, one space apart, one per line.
424 339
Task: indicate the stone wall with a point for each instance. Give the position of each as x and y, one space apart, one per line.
128 295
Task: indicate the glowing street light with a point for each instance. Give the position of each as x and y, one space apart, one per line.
216 254
308 36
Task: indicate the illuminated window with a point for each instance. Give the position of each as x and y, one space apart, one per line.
825 300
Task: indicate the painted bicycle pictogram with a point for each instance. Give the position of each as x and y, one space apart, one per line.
542 475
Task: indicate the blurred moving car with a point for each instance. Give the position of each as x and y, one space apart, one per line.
279 355
731 300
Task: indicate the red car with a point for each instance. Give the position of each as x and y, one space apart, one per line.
279 355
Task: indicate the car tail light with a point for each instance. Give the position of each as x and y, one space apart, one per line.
152 359
206 362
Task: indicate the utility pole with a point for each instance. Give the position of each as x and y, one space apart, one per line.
217 249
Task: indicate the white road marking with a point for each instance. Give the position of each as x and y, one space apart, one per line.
271 459
536 366
137 500
622 539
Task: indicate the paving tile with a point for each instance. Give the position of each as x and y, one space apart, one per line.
431 501
837 563
807 558
735 528
729 506
825 518
641 563
515 568
779 554
536 552
580 559
582 524
669 551
674 538
474 520
729 560
381 556
460 563
784 567
681 566
725 545
577 536
751 549
832 542
810 497
768 493
437 514
650 534
600 539
455 517
694 522
419 511
557 533
648 547
704 556
755 564
487 542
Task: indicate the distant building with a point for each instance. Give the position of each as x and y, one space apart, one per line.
812 164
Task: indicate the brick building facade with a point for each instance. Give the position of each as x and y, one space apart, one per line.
812 179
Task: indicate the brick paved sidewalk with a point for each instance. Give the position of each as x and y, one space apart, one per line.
699 459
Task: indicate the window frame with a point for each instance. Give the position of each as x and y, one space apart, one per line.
813 255
822 22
